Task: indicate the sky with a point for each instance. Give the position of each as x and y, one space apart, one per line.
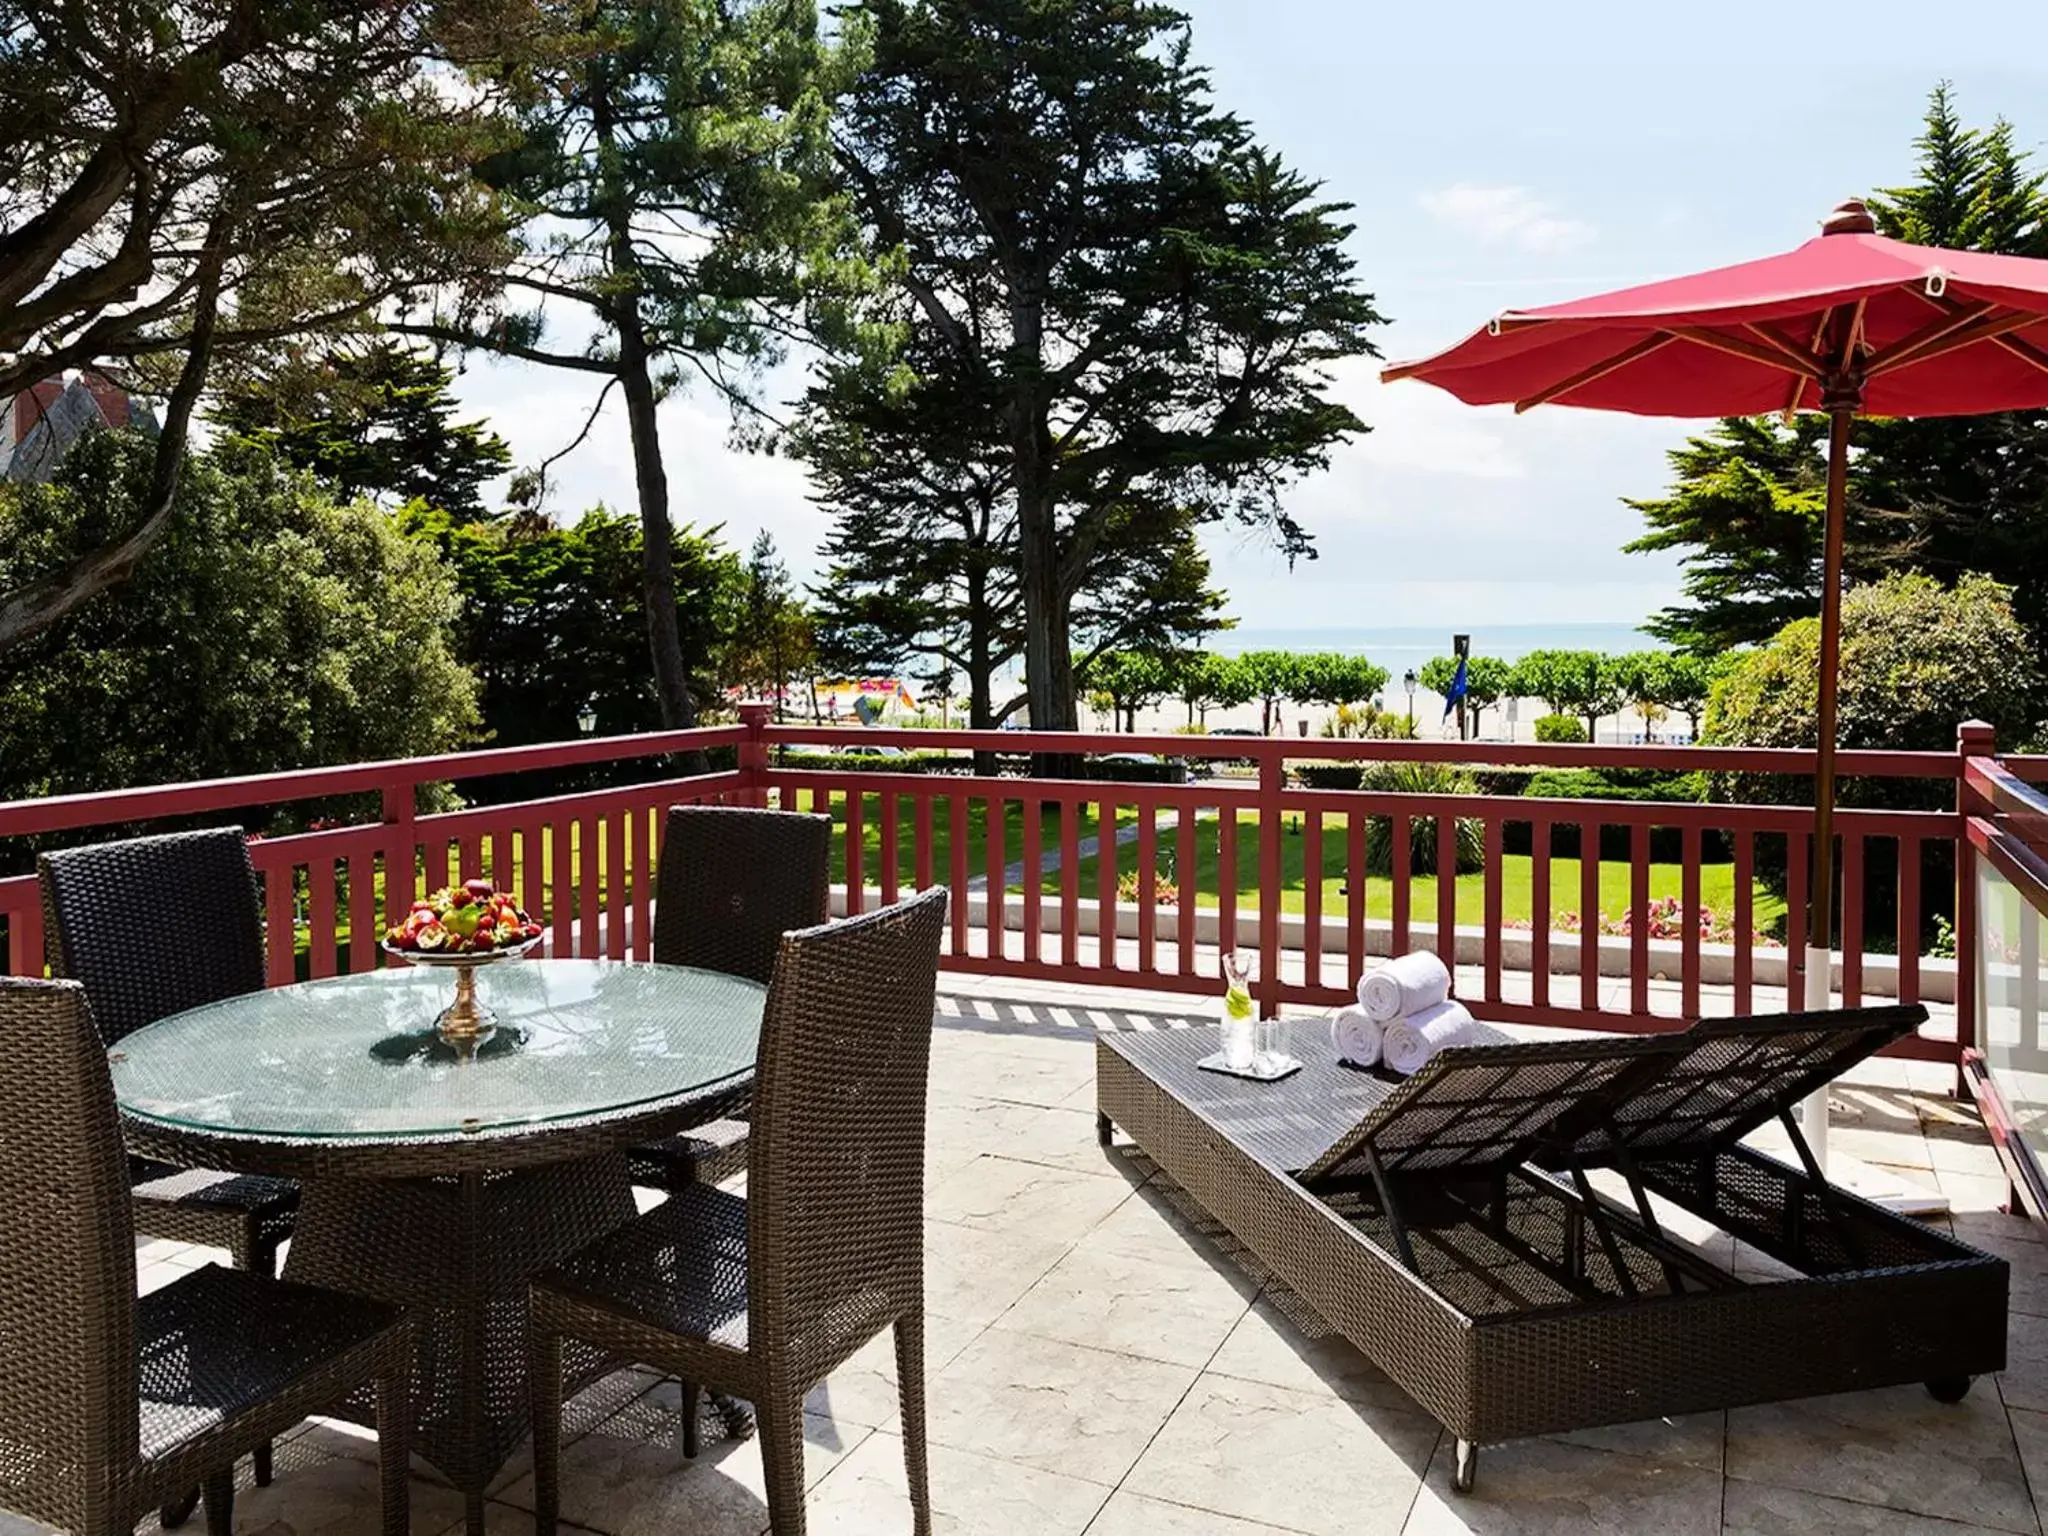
1499 154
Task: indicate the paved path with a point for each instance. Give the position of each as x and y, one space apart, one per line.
1049 858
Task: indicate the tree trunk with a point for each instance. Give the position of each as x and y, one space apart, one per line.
658 573
1048 655
650 478
981 700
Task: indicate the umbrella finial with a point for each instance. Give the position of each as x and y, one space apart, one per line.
1850 218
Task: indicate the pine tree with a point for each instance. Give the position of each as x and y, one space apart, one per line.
1142 297
1945 495
374 420
677 165
923 562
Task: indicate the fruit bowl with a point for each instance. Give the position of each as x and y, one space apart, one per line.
466 922
459 929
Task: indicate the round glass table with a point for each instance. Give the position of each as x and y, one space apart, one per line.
443 1179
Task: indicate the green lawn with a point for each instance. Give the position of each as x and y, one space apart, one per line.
1717 881
976 817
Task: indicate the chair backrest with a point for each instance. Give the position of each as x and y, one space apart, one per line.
734 881
835 1172
67 1253
154 925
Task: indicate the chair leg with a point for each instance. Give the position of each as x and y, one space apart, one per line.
174 1514
394 1450
247 1252
544 1382
691 1398
781 1423
910 1394
220 1502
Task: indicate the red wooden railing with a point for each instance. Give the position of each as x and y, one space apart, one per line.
1027 902
2005 1060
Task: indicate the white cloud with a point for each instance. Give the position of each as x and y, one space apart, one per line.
1415 426
1514 215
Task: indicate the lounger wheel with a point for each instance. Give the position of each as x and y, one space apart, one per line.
1949 1389
1466 1472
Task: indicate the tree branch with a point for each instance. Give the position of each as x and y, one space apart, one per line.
470 341
28 611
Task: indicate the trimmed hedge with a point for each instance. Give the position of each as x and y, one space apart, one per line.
1615 784
855 762
1328 775
1503 781
1667 844
1171 770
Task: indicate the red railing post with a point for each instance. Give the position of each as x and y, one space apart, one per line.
1272 814
401 854
755 718
1974 738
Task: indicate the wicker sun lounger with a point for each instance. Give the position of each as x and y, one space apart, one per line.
1497 1233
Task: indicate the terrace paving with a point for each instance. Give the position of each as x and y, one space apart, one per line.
1099 1365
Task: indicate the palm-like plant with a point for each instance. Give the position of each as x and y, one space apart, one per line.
1420 779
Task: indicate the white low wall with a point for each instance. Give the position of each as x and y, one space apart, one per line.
1717 961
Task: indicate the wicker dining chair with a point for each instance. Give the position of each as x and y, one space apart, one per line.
765 1294
732 882
150 927
110 1406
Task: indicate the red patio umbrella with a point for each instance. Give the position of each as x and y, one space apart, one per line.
1848 323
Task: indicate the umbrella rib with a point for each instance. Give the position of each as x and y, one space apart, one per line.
1782 354
1803 361
1820 331
2025 351
1599 370
1851 336
1963 326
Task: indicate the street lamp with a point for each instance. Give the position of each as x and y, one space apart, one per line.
586 719
1408 682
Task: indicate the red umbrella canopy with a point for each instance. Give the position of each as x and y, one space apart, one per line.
1895 329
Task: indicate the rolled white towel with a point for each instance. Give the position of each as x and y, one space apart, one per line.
1410 1043
1356 1034
1404 987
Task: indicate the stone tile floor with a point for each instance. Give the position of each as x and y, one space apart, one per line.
1099 1365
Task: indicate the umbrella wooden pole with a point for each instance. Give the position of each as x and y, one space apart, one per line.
1820 914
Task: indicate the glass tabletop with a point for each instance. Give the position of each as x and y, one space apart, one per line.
358 1056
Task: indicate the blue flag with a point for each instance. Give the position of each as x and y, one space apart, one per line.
1459 687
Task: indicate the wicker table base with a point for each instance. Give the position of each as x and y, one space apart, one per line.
457 1252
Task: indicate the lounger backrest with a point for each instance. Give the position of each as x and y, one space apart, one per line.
1736 1075
1478 1108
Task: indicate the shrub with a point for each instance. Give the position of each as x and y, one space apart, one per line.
1420 779
1503 781
1615 784
1917 659
868 762
1568 729
1170 770
1329 775
1165 892
1366 722
1667 844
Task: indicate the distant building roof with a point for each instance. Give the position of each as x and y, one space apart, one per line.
39 425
